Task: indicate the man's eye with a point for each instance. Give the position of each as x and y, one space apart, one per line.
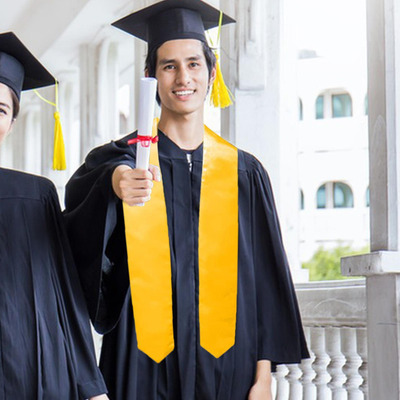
194 64
3 111
169 67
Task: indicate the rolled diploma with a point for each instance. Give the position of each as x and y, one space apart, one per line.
147 102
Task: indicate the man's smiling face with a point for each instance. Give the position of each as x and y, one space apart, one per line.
182 74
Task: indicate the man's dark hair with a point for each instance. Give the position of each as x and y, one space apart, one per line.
151 62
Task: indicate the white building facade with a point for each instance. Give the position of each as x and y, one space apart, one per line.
332 154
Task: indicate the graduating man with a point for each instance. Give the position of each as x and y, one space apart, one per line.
192 290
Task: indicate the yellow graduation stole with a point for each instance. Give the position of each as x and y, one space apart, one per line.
149 258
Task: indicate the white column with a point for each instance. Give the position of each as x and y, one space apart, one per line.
289 196
257 87
88 98
265 112
69 111
383 22
228 47
382 266
32 134
47 132
99 85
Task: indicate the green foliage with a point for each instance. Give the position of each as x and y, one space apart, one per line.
325 264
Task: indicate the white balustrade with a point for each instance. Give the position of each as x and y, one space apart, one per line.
282 385
334 321
353 363
337 361
320 364
309 389
362 351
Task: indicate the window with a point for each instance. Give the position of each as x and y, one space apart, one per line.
334 195
341 105
301 200
319 107
367 197
321 197
366 104
342 195
333 104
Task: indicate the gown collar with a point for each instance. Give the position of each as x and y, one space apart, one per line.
168 149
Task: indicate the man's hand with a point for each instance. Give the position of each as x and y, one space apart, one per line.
100 397
133 186
261 390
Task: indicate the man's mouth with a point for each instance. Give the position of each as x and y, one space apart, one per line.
186 92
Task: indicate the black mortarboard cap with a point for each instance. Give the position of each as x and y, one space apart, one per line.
19 68
171 20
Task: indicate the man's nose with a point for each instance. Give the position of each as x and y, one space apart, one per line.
183 77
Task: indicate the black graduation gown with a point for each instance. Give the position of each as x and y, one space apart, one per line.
46 347
268 321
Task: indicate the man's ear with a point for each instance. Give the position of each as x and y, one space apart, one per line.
213 75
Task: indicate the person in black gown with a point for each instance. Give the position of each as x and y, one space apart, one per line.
46 347
268 325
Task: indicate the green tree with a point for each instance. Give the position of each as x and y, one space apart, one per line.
325 264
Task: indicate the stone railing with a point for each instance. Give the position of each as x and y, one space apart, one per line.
334 319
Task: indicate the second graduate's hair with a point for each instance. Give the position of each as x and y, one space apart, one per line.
15 103
151 62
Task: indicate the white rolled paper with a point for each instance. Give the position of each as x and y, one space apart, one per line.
147 102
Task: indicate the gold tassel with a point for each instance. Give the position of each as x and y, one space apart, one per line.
221 96
59 162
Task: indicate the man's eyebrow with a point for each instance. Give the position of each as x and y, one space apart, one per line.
194 58
165 61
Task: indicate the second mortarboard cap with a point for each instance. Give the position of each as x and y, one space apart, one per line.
19 68
172 20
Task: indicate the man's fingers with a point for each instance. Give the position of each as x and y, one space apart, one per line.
155 171
137 174
133 186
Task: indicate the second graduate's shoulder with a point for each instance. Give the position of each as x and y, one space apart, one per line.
21 185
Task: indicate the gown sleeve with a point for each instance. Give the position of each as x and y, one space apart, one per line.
71 303
280 332
95 227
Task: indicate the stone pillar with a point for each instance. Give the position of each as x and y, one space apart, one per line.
263 118
32 136
228 51
69 106
289 190
99 87
382 266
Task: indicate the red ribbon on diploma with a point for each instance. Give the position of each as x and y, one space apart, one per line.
144 140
